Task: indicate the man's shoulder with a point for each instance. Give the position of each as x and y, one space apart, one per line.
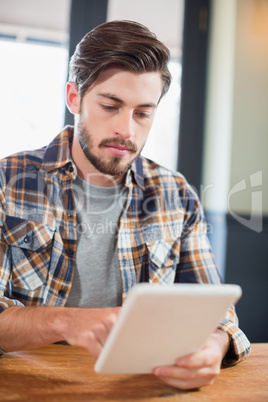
155 174
34 160
162 184
31 159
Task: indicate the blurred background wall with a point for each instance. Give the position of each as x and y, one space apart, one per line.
235 162
213 125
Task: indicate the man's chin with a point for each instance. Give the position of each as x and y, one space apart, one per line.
112 165
114 168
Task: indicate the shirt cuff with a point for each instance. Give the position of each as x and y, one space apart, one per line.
239 348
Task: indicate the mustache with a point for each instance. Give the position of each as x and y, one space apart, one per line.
116 141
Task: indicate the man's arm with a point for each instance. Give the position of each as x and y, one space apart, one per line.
197 369
29 327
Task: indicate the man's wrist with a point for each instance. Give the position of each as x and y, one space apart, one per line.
59 321
223 340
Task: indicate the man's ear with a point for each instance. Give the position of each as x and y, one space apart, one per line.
72 97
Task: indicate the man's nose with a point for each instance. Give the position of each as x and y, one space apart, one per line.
124 127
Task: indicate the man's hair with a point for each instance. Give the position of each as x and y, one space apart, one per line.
124 44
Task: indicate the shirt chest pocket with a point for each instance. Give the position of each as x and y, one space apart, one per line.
163 257
30 245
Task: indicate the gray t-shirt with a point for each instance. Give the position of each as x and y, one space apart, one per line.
97 279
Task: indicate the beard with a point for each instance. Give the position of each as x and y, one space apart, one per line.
114 166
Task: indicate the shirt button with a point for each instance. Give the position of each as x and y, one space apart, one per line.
26 239
70 252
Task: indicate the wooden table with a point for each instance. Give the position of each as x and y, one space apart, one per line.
65 373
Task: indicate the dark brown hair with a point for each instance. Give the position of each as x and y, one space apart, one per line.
125 44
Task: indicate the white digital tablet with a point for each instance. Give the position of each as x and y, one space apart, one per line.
159 323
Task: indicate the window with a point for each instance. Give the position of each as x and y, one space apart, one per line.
32 80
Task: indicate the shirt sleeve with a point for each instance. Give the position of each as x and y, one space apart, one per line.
5 260
197 265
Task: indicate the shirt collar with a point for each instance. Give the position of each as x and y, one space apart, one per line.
58 152
136 173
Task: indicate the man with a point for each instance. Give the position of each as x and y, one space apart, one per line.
86 218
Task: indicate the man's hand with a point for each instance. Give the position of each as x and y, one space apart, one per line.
89 328
198 369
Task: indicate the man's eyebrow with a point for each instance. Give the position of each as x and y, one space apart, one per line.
118 100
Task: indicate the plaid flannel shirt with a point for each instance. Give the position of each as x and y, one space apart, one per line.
161 238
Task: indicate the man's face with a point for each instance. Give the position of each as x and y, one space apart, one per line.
115 118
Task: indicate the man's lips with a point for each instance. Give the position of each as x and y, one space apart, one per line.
119 147
118 150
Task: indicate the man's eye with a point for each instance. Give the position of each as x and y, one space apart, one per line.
109 108
143 115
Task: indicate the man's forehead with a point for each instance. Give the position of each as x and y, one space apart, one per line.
116 84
